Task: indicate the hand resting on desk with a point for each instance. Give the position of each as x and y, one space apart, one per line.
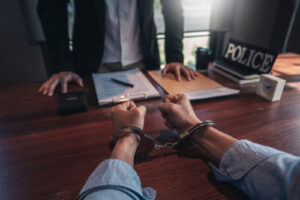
62 78
179 69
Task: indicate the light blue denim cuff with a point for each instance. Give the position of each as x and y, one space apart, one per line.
240 158
114 172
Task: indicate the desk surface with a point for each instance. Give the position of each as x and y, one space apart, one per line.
46 156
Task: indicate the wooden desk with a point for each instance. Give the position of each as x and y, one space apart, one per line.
45 156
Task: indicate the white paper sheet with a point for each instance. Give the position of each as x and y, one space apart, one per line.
110 92
205 94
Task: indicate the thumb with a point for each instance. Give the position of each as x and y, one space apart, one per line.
164 71
128 105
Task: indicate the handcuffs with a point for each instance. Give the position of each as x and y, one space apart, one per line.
147 142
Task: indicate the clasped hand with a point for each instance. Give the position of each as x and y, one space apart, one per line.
176 110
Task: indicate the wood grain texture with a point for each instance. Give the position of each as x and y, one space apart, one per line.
46 156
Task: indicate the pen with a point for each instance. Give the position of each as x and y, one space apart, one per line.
122 82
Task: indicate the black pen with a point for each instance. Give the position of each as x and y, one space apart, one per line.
122 82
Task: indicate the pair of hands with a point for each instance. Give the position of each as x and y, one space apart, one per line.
178 114
64 78
176 110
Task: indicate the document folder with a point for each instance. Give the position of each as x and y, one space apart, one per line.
109 92
200 88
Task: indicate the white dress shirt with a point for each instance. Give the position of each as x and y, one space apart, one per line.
122 33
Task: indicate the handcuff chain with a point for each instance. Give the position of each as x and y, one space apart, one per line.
168 145
184 136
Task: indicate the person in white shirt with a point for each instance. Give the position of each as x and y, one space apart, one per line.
110 35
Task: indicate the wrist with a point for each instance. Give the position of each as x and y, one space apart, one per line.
125 148
129 139
124 136
212 144
190 124
144 141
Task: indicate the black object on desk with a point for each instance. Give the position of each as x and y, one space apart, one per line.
72 102
203 57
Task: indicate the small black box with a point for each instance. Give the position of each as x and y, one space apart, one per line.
203 57
71 102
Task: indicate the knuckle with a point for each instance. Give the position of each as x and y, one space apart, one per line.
172 106
184 96
56 76
139 112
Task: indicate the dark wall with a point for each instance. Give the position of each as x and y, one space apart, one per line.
294 41
265 23
254 21
283 17
19 62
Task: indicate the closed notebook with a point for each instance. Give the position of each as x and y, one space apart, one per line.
200 88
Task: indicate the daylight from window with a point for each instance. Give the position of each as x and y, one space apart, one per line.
196 24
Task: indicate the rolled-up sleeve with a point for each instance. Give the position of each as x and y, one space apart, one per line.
114 179
260 172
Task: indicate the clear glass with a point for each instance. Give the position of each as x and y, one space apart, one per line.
196 15
196 25
190 45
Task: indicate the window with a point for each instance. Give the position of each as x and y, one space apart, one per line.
196 25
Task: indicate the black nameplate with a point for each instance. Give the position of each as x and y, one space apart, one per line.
249 57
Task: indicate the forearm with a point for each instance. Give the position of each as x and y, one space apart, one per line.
125 149
112 179
242 162
253 168
115 178
212 144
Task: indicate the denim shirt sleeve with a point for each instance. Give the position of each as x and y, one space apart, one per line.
260 172
115 179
